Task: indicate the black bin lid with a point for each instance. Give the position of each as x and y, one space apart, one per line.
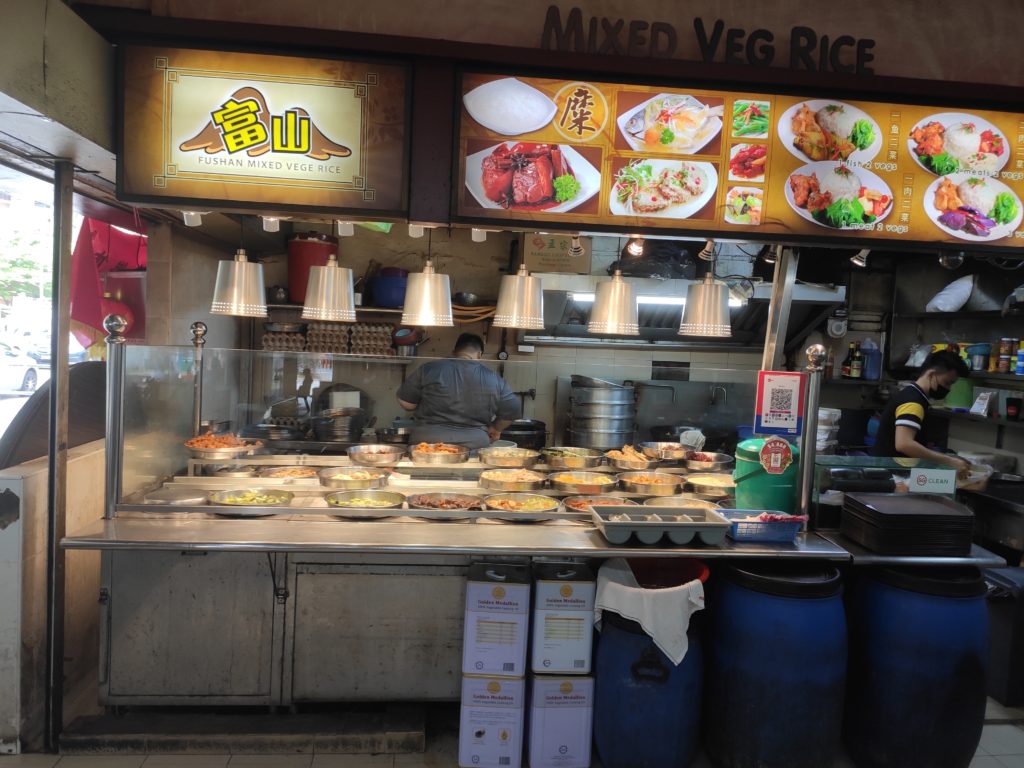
944 581
808 580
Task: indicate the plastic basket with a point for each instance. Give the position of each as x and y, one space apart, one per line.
782 533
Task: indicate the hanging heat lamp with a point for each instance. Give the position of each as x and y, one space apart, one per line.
520 302
330 294
428 296
614 310
707 308
239 288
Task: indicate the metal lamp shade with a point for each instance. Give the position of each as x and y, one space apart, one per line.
428 299
239 288
614 309
707 309
329 294
520 302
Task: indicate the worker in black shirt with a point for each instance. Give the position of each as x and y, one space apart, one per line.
905 413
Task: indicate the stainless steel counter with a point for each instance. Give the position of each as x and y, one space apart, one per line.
309 534
979 556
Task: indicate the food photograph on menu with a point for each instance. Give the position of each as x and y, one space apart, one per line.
671 122
953 141
674 189
829 130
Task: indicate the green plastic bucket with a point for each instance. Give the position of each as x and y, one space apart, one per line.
755 488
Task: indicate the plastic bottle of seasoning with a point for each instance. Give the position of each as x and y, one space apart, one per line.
1020 360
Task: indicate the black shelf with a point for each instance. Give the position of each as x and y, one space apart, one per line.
995 421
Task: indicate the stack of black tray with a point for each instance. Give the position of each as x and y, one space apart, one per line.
908 524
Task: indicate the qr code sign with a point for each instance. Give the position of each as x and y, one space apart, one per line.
781 400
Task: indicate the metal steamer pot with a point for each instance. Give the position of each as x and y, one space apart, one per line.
603 424
602 439
582 396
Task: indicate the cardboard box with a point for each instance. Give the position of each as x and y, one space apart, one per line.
561 720
497 620
563 619
491 723
550 253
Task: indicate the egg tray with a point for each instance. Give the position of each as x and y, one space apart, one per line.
706 524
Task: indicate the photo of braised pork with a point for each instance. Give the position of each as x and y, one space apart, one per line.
527 175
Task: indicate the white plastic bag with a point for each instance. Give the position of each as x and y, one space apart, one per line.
953 297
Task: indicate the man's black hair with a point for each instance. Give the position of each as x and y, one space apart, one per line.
467 341
944 361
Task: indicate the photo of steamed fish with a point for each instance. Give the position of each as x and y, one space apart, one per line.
951 141
829 130
671 122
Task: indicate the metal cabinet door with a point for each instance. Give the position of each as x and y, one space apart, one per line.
376 632
189 628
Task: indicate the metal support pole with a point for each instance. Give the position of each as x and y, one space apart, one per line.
57 447
198 342
786 260
816 355
116 326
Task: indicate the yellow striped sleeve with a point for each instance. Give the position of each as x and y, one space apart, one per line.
911 409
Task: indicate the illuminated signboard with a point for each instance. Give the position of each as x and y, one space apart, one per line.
633 157
236 130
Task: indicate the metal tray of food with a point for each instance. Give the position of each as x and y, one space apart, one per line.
651 483
289 473
618 524
582 482
438 453
353 478
232 471
221 446
520 507
630 459
584 503
376 454
561 457
510 458
252 502
449 502
359 505
176 496
704 461
682 501
511 480
712 486
665 451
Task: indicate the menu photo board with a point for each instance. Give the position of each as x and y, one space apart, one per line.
746 165
233 130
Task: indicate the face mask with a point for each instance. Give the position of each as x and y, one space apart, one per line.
939 393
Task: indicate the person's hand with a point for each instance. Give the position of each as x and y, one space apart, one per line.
493 433
962 466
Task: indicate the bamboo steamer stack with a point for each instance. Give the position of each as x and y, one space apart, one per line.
327 337
372 339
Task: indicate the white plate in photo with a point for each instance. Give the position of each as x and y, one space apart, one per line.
676 211
948 119
866 177
786 135
997 232
633 119
586 174
509 107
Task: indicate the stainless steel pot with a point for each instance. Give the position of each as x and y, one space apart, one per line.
602 396
589 381
601 439
526 433
603 410
604 424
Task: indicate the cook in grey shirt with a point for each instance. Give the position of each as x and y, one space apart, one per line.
460 400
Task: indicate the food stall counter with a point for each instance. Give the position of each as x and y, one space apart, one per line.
979 556
197 532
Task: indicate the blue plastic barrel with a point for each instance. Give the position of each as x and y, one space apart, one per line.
918 663
646 709
776 666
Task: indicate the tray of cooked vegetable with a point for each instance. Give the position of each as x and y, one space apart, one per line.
376 454
651 483
582 482
511 480
363 504
572 458
521 507
510 458
248 503
289 473
629 458
584 503
438 453
619 524
221 446
446 501
712 486
353 478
